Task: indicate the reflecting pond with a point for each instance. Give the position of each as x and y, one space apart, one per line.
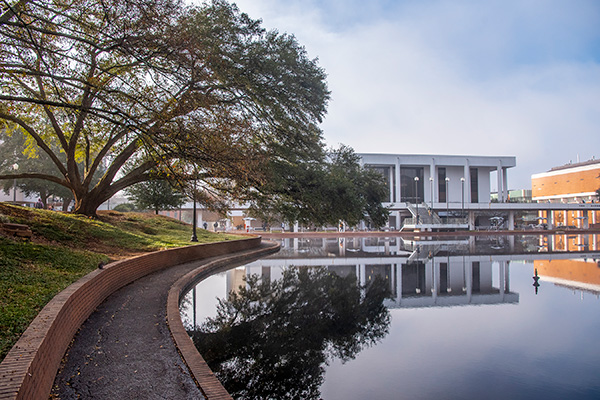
491 317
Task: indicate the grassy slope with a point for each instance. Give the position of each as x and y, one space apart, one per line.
64 248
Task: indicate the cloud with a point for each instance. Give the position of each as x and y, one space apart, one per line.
459 77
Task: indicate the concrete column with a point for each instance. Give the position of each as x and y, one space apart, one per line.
500 180
436 279
467 176
392 276
469 279
431 186
391 180
501 277
505 184
399 284
507 278
362 276
429 279
471 220
511 220
398 183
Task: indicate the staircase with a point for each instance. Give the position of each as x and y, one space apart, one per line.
424 217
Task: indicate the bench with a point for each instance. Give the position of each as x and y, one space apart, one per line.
18 230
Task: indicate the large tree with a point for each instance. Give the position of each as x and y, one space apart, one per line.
170 89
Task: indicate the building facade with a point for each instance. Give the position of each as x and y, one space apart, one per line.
567 184
444 184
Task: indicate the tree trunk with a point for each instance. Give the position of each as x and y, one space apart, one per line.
88 204
66 203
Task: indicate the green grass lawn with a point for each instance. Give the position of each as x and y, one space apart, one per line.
64 248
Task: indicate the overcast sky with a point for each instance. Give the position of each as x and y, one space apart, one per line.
508 78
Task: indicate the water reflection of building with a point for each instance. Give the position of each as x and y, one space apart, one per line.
581 274
427 272
428 282
570 243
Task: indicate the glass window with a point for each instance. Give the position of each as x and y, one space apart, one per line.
442 185
411 191
474 186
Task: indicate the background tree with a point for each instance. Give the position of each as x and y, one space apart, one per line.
325 191
160 86
14 149
270 340
157 194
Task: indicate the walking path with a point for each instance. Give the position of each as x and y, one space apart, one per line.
125 349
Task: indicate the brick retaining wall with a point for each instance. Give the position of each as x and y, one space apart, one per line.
29 368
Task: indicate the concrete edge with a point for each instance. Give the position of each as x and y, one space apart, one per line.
199 369
29 368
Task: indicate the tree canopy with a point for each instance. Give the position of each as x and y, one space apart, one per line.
180 92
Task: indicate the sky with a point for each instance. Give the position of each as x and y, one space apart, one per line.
464 77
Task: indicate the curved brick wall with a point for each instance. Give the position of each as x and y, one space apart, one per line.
29 368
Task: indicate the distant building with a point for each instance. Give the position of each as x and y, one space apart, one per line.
515 196
571 183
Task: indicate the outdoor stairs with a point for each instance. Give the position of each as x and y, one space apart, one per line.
428 219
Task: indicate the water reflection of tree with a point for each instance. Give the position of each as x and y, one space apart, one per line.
271 340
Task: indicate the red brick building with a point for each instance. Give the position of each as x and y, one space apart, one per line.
571 183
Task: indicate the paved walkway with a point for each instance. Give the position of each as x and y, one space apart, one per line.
125 350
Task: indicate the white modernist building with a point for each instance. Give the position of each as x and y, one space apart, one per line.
440 185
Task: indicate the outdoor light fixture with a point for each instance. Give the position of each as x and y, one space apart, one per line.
462 211
194 236
417 197
15 167
447 197
431 182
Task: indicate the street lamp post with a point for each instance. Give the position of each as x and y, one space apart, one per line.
194 237
15 167
447 197
431 184
417 197
462 199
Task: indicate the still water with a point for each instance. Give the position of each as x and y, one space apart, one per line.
506 317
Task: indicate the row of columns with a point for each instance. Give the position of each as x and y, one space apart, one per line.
433 279
394 176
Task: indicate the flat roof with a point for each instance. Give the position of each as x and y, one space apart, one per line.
575 165
440 159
